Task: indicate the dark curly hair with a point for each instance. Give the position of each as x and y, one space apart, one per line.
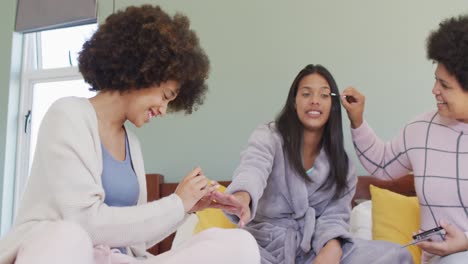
143 46
449 45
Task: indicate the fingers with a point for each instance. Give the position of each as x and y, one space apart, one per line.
199 182
351 91
204 203
193 187
193 173
212 186
450 229
226 199
234 205
228 203
351 96
353 101
244 217
437 248
226 208
211 201
215 184
201 204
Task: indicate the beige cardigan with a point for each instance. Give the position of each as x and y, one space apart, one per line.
65 184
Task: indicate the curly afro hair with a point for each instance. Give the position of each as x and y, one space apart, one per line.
141 47
449 45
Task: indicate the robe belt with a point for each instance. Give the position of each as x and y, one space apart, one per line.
293 234
309 229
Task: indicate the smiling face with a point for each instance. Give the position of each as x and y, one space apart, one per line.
143 104
452 100
313 101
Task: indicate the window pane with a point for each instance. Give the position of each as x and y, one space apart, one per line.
60 47
47 93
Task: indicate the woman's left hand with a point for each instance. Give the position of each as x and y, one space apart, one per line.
455 241
330 254
206 201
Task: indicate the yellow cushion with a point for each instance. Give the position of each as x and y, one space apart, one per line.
211 217
394 218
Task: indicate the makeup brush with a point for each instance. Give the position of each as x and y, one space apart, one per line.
349 98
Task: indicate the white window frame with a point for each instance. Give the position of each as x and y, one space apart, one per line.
31 74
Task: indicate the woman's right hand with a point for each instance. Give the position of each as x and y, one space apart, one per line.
193 187
454 241
354 108
236 204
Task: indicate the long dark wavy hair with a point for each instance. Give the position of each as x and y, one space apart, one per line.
292 130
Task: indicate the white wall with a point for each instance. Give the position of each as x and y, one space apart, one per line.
257 47
10 62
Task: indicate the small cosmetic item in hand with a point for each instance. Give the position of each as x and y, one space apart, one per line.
349 98
426 235
431 232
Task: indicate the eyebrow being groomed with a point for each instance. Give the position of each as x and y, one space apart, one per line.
312 88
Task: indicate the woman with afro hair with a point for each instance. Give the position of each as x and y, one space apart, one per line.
434 146
86 197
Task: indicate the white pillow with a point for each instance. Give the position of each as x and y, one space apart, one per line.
360 224
185 231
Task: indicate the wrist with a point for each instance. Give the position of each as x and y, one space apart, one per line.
184 203
333 244
466 241
243 196
356 123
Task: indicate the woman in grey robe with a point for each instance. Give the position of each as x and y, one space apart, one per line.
294 185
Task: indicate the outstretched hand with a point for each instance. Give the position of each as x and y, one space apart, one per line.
455 241
235 204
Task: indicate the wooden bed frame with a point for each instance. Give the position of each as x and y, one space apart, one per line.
157 189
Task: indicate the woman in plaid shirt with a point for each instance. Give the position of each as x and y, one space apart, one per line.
434 146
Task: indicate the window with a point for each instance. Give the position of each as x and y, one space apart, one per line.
57 54
49 72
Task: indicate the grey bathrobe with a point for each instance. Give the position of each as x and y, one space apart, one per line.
291 219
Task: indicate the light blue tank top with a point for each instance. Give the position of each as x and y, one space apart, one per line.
119 180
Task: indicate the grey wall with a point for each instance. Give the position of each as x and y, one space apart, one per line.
256 49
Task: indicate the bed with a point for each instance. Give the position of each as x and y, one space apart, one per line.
157 188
